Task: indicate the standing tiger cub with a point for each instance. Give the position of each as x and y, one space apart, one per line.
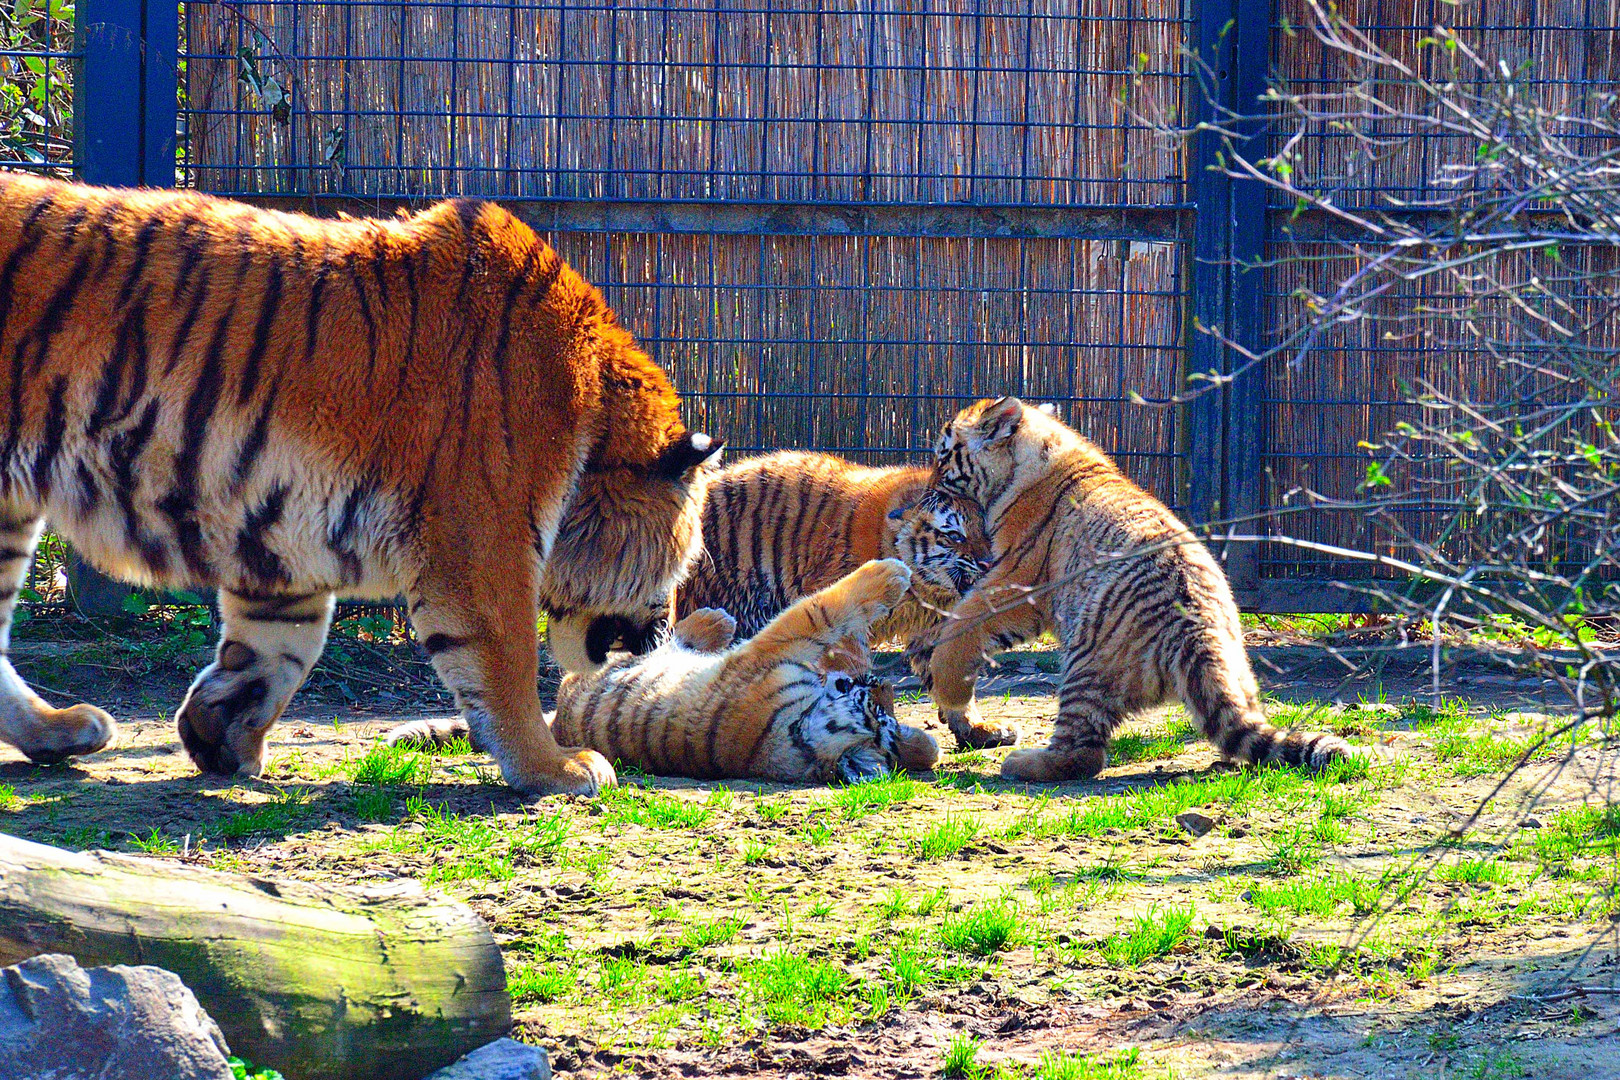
198 392
1141 608
792 703
779 527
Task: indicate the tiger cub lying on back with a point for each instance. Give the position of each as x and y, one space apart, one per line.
779 527
793 703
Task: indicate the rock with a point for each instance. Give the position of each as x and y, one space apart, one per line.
1530 823
59 1021
503 1059
1194 822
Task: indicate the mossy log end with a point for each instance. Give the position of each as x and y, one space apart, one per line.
379 982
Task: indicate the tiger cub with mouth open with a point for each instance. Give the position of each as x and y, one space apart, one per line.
777 528
793 703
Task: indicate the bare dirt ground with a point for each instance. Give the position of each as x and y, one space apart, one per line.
1365 923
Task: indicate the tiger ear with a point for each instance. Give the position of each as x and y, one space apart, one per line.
999 420
687 453
1048 408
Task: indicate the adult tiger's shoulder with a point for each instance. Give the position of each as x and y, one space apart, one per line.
779 527
199 392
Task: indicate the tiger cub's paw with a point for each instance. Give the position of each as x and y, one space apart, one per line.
706 630
426 734
879 585
1054 766
575 772
974 732
48 736
916 749
861 763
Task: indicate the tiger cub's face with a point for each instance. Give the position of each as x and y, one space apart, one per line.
934 539
854 733
977 451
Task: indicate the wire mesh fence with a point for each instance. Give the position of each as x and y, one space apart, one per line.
37 55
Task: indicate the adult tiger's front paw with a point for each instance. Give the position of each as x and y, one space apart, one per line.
574 771
229 710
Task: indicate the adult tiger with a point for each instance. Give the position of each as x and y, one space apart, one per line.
779 527
198 392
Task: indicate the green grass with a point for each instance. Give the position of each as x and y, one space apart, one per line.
541 983
1321 897
394 766
155 843
652 809
1167 742
1151 934
1487 869
9 799
791 988
983 929
947 837
961 1058
870 796
1577 832
1491 754
1062 1065
277 816
706 934
372 804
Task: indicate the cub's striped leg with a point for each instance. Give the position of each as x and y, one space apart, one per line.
45 734
480 633
847 608
974 627
1087 717
267 647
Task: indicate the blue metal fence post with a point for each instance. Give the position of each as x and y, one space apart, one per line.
1225 429
126 97
125 104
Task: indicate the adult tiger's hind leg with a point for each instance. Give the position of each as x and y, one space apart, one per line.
27 722
266 648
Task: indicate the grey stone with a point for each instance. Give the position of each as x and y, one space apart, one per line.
503 1059
59 1021
1194 822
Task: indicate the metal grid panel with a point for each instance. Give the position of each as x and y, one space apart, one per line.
863 345
37 55
1568 53
1353 385
1006 102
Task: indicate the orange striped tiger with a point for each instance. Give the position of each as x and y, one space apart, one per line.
793 703
198 392
1141 608
779 527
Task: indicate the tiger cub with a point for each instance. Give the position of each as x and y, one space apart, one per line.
1141 608
779 527
793 703
204 393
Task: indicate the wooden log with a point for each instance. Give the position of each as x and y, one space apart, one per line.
379 982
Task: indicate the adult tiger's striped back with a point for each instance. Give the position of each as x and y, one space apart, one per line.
198 392
777 528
